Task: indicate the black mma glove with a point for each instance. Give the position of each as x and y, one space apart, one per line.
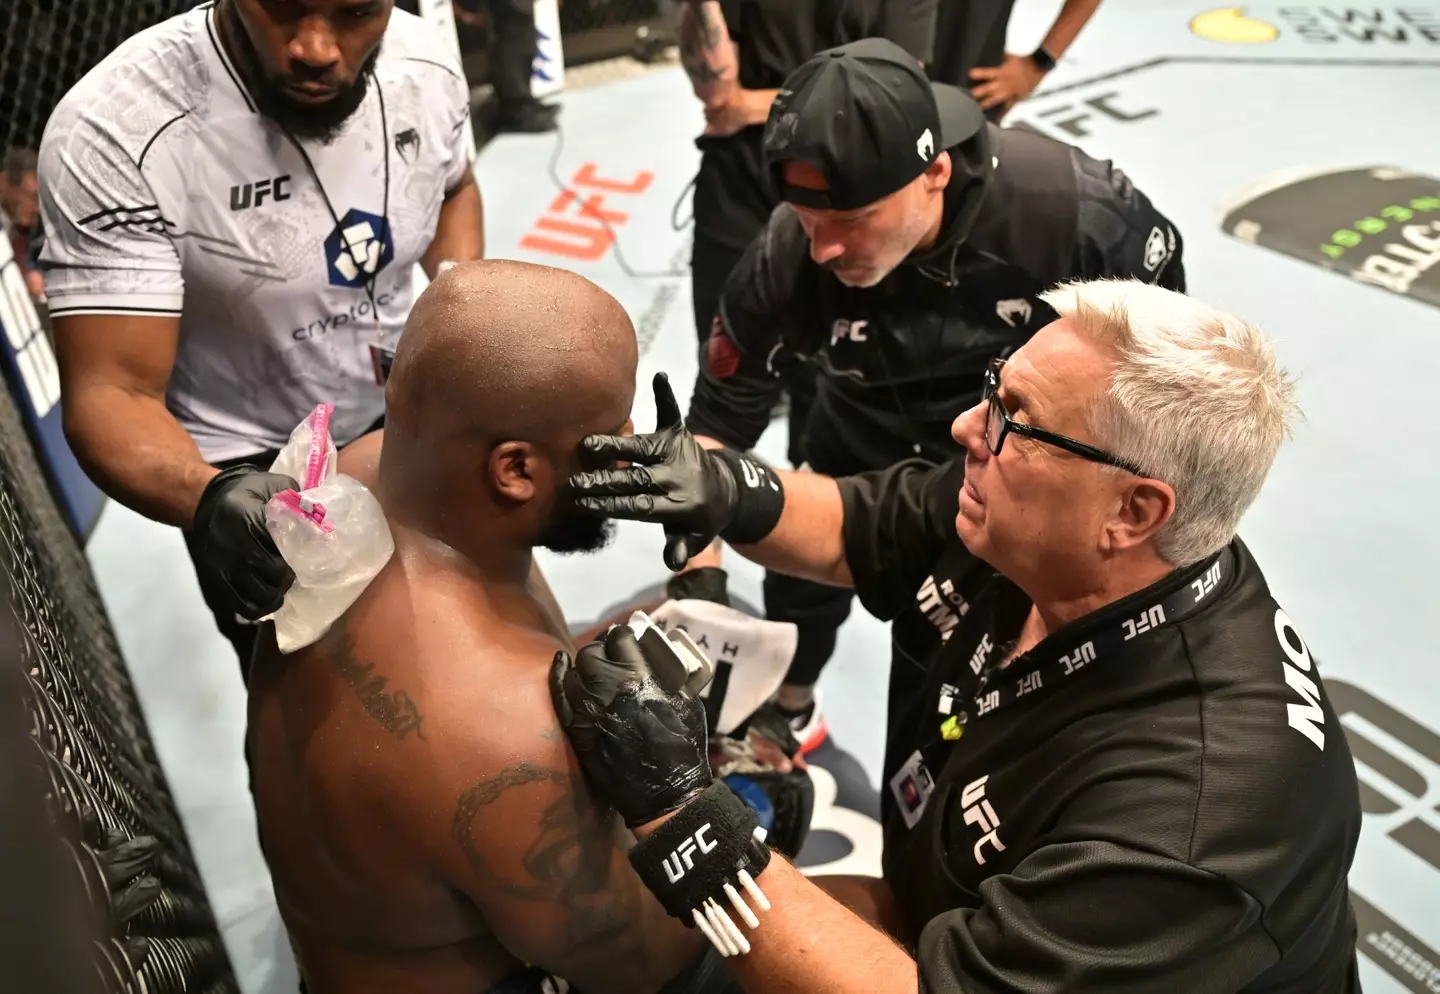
630 709
235 548
696 493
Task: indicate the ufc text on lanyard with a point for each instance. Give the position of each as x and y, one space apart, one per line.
913 783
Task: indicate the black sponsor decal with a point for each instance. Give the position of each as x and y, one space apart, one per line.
1379 225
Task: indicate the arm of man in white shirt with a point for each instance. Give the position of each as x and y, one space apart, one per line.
460 231
116 289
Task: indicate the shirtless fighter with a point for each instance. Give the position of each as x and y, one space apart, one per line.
425 821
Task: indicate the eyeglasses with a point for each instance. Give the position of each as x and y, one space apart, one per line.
998 424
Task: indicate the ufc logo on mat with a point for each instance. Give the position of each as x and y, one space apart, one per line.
681 861
1153 618
979 812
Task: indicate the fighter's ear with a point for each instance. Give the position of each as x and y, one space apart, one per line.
514 467
937 174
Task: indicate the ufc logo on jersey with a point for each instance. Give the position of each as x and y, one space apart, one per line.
1152 618
978 811
1078 658
852 330
1206 583
1028 684
1308 719
977 658
682 859
276 189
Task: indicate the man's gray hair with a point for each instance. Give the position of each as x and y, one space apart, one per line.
19 163
1197 399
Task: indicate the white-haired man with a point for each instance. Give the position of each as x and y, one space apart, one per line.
1111 764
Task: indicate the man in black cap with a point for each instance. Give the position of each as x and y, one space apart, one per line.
737 55
912 246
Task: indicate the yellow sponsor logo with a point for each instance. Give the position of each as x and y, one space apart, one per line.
1231 26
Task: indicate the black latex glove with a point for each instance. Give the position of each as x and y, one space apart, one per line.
118 874
631 712
672 481
236 549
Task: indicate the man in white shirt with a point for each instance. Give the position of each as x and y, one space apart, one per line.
234 201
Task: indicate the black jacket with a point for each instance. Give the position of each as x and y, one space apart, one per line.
1142 802
900 360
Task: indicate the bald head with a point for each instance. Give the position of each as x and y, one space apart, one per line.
502 369
497 350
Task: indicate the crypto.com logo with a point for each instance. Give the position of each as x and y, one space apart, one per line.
354 252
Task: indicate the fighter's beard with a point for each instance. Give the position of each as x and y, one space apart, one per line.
572 530
316 122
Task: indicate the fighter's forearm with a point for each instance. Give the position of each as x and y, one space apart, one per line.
460 230
1071 20
706 51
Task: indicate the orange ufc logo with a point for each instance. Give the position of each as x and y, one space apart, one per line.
577 225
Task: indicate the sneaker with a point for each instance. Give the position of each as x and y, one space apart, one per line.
808 726
530 117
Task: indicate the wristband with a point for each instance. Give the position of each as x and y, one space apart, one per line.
700 861
759 498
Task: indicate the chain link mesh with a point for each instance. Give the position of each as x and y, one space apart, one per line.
47 45
104 780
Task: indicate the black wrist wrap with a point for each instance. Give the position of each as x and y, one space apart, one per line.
703 846
759 498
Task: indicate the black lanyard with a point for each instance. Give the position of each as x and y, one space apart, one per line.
384 210
994 689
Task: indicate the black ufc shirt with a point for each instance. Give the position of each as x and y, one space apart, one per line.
898 361
1158 797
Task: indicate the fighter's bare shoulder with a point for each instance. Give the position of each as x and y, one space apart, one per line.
508 819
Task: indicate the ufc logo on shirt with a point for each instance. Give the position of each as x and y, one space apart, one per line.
1084 654
1153 618
982 652
1206 583
254 194
681 861
979 812
852 330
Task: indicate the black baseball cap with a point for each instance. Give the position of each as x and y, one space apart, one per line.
866 116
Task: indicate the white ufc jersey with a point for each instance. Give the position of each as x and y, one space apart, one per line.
164 193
